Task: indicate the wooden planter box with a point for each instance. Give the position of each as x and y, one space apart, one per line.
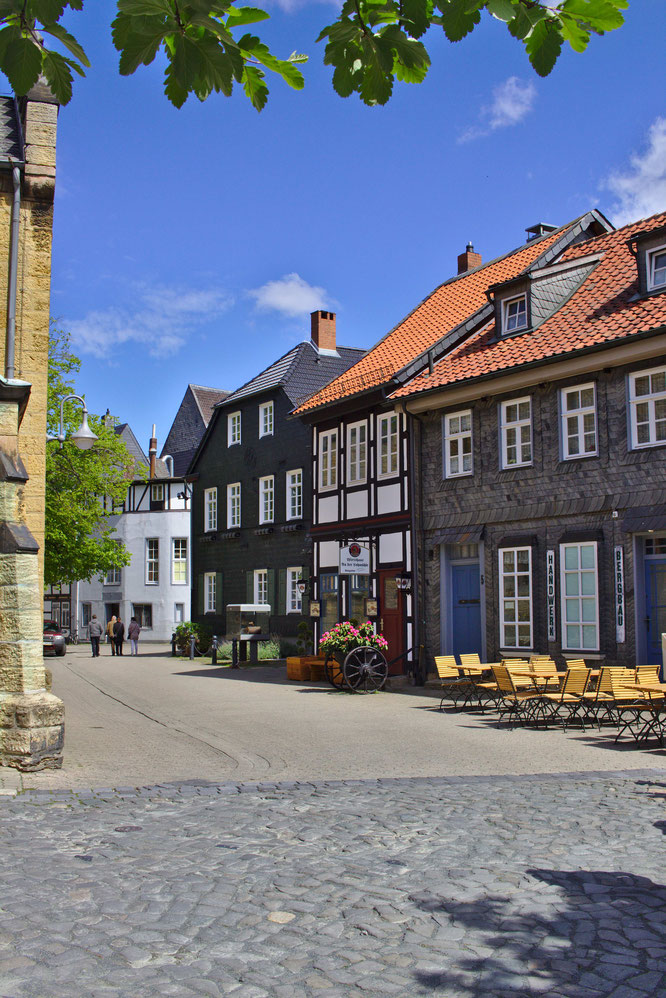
305 668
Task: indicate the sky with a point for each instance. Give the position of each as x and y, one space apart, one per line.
190 246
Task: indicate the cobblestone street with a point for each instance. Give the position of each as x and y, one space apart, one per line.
479 886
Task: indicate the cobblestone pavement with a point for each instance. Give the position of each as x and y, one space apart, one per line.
462 886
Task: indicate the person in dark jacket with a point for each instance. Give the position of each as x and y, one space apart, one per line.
133 632
95 632
118 635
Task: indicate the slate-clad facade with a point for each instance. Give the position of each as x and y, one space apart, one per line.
252 481
193 416
552 537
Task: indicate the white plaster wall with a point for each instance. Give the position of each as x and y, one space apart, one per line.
390 548
388 498
328 509
357 504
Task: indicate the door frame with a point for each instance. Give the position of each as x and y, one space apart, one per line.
446 596
400 667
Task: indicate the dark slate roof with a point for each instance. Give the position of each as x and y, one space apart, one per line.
207 399
124 431
10 130
300 372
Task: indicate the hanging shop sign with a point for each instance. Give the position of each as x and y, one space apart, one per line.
354 559
550 593
315 608
618 562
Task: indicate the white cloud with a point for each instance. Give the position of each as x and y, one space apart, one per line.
290 295
641 190
161 321
512 101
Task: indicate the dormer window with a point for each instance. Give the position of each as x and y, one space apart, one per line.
656 269
514 314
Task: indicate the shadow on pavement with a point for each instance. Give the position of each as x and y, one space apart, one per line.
598 931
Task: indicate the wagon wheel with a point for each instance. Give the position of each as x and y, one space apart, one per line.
365 669
333 671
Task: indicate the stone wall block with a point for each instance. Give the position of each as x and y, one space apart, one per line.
7 712
41 710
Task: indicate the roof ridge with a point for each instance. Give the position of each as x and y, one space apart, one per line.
259 374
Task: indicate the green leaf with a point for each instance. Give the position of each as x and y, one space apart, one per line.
344 81
137 47
544 46
47 11
186 61
503 10
216 68
245 15
600 15
416 15
59 75
297 58
255 87
22 64
69 41
457 21
152 8
176 93
572 32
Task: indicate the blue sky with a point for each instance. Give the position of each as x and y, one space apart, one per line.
191 245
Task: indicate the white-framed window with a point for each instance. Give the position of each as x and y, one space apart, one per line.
261 585
152 561
647 404
210 509
233 428
112 577
86 614
516 432
295 494
328 459
179 561
515 570
266 499
157 492
266 419
233 505
178 613
579 421
514 314
458 444
656 268
387 453
357 453
210 592
579 596
144 615
294 576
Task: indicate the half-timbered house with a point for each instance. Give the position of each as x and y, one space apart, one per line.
367 460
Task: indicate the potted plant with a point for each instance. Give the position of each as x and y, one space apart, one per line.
345 636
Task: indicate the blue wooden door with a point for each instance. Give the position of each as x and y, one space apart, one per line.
466 609
655 607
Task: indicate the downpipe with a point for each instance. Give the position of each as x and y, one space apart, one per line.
10 351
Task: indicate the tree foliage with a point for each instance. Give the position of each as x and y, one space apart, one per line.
82 487
371 44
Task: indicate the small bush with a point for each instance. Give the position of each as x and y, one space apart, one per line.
304 639
202 634
269 649
289 647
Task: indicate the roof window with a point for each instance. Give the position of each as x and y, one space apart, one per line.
656 268
514 314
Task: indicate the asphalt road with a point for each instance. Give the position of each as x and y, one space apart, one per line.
153 719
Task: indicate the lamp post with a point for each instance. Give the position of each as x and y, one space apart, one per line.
84 438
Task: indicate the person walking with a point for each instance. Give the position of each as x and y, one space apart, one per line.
118 635
110 635
95 632
133 632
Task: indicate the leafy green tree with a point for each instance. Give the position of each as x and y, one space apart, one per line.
370 45
83 488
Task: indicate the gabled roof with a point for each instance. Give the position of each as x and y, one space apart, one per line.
207 399
124 431
605 309
300 372
451 305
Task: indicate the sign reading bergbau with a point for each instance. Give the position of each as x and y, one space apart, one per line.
354 559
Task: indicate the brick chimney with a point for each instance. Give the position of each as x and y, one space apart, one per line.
152 453
322 325
468 260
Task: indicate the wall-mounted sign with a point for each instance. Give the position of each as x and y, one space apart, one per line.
550 594
315 608
371 607
618 565
354 559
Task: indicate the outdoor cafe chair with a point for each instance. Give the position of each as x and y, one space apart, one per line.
486 689
643 718
567 702
518 667
520 705
610 696
453 685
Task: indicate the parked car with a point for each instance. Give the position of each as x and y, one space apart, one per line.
54 639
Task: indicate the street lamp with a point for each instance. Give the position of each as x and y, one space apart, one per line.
84 438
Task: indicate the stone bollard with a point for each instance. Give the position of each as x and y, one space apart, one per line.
173 645
213 651
193 641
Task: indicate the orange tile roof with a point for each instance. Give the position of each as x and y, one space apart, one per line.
450 304
600 311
